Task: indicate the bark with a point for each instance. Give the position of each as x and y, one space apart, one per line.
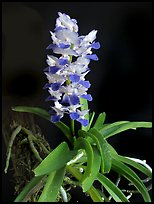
22 157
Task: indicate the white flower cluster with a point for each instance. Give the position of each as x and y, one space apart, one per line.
66 77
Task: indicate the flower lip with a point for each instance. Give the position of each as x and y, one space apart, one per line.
49 47
51 98
52 111
74 115
86 84
95 45
64 46
65 101
74 77
55 86
58 28
83 122
52 69
55 118
47 85
74 99
92 57
63 61
87 96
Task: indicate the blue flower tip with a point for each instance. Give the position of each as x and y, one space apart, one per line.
83 122
74 116
55 118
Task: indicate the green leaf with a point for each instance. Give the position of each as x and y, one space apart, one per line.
82 143
94 194
55 160
134 164
84 106
112 150
117 127
44 114
129 174
52 186
91 117
100 121
104 149
88 182
113 190
36 110
29 186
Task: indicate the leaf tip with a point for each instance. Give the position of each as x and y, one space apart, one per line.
13 108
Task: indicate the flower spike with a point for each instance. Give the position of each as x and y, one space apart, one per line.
66 78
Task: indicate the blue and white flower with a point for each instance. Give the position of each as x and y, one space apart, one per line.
64 21
66 78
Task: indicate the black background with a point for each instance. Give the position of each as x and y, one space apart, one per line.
121 79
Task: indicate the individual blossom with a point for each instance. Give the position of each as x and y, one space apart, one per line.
66 73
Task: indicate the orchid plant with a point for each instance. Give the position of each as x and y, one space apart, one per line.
85 157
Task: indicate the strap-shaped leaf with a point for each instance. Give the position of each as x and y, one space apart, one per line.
36 110
91 117
84 106
104 149
94 171
112 150
100 121
93 192
52 186
117 127
129 174
113 190
82 143
95 195
29 186
44 114
134 164
55 160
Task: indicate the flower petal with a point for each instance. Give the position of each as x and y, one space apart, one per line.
63 61
74 99
64 46
74 115
92 57
47 85
87 96
51 98
95 45
53 69
65 101
49 47
74 78
83 122
55 118
86 84
55 86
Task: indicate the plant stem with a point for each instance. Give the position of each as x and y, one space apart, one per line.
72 127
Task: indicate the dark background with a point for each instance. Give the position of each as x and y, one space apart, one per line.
121 79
